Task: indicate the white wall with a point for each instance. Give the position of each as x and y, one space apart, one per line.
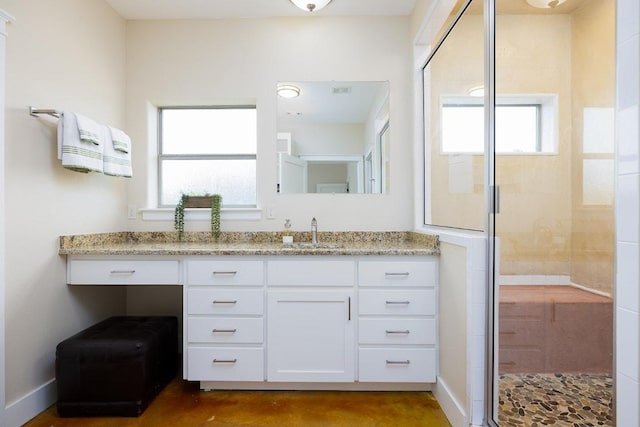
627 292
5 17
451 389
208 62
69 55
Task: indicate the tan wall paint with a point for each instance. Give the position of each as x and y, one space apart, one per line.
66 54
593 78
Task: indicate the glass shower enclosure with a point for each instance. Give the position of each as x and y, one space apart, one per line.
519 119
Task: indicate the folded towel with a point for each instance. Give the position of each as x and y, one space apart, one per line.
89 130
121 141
76 154
116 161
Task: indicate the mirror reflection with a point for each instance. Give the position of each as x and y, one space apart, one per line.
333 137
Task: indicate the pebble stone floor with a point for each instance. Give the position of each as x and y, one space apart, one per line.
534 400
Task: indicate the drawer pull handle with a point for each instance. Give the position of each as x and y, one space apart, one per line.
401 275
406 332
397 302
215 301
225 273
224 331
398 362
122 272
225 360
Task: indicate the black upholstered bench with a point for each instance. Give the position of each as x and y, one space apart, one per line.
116 367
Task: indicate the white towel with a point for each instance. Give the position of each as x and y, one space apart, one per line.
89 130
117 161
75 154
121 141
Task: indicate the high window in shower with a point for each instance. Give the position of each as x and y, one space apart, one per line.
529 163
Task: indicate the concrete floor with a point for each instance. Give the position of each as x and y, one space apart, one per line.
182 404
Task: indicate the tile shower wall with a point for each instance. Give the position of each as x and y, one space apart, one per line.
628 214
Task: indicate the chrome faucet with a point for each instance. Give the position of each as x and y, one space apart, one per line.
314 231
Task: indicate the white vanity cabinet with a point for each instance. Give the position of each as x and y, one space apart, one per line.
224 307
397 320
348 322
311 319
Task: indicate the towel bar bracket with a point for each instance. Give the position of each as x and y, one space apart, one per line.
36 112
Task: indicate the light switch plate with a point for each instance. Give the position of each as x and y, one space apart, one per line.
132 212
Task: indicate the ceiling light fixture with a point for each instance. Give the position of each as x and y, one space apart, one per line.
545 4
309 5
288 91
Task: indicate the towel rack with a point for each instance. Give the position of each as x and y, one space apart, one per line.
35 112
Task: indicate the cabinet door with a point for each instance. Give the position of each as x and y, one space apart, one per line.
310 336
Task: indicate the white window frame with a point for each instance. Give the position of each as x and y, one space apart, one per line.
547 120
198 156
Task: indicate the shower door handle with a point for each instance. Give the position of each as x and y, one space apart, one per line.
495 199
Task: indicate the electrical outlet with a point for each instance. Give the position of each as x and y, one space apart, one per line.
132 212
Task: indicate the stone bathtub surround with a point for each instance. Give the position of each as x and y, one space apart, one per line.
249 243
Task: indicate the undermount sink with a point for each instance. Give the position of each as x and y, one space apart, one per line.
309 245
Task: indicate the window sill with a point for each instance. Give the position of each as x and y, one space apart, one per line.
200 214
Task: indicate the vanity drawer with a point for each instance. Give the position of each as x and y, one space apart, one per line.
225 301
397 302
311 272
397 331
225 330
225 273
397 365
225 364
123 272
398 273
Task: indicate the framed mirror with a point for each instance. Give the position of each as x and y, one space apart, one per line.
333 137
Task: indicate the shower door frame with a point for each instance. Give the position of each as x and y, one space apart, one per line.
492 203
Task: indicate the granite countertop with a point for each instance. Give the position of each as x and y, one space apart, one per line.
250 243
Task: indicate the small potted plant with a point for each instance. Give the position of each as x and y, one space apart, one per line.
178 216
216 205
213 201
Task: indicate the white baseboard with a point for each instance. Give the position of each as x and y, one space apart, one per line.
450 405
22 410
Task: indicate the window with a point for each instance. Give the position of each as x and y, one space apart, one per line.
523 125
208 150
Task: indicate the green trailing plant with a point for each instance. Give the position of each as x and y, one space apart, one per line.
178 216
216 204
